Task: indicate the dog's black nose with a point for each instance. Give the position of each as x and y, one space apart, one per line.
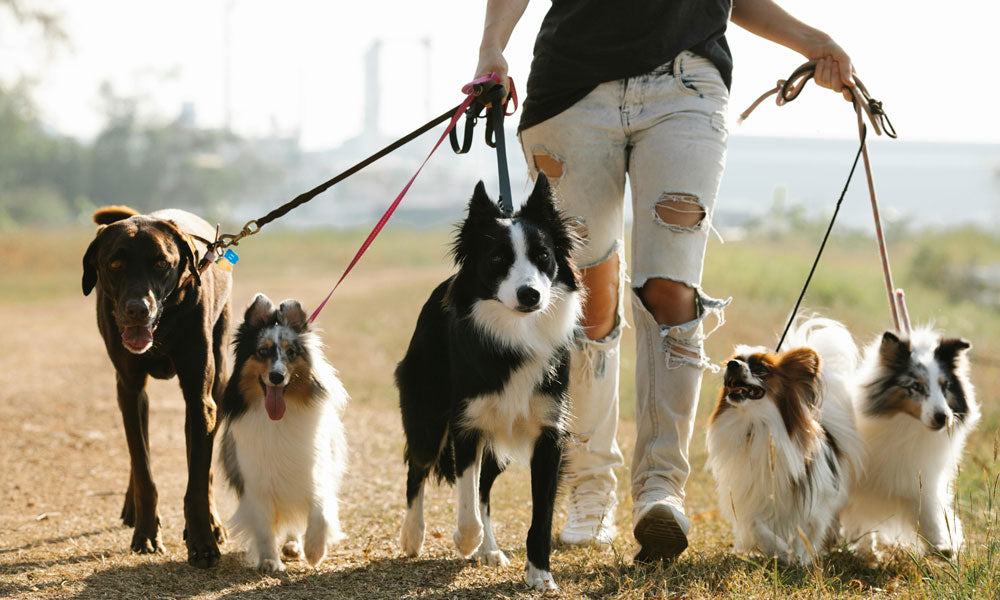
528 296
136 310
940 419
733 367
276 377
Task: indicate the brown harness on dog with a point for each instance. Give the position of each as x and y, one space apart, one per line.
864 106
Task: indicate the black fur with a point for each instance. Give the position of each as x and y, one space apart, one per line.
946 354
450 360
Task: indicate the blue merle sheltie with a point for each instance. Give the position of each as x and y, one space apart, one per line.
485 378
283 448
915 408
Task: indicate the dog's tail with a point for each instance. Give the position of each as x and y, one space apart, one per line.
109 214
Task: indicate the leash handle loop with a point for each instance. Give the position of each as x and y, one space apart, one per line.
468 89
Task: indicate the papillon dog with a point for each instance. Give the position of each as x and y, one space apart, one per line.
283 447
485 377
782 441
915 409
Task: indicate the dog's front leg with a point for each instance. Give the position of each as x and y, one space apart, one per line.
141 496
202 531
938 525
468 458
546 462
770 544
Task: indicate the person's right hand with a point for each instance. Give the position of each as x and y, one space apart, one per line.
491 60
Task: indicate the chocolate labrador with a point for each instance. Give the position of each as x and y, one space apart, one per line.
159 317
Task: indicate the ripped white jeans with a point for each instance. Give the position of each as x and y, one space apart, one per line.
667 130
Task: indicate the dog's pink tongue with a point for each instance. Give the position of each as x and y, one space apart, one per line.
137 336
274 401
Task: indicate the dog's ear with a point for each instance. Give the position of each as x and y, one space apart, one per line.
188 251
894 353
260 311
482 212
109 214
291 314
541 208
949 349
799 370
90 263
800 363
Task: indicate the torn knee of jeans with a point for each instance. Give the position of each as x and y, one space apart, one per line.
547 163
684 344
679 212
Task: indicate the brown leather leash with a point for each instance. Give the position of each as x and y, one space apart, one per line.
864 106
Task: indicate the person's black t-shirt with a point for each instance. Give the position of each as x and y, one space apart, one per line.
583 43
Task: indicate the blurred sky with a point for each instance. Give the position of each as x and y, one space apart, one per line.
299 63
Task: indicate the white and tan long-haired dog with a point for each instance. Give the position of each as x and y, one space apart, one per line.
782 441
283 445
915 409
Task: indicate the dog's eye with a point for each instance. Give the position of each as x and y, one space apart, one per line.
263 352
759 371
496 259
162 265
945 385
542 256
116 264
916 388
290 353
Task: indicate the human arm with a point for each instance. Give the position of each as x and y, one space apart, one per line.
766 19
501 17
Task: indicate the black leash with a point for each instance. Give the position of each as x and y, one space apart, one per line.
493 105
833 219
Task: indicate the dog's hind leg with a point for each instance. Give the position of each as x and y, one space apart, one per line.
468 459
202 530
141 496
220 342
489 552
411 537
317 532
546 464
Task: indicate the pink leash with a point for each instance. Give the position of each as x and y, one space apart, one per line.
471 91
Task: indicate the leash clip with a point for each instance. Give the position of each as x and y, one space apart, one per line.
227 239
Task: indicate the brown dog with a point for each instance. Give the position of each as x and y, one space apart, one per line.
159 317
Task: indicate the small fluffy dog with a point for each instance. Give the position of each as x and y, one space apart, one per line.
485 377
283 448
782 441
915 409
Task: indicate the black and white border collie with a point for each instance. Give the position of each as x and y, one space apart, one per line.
485 378
782 442
915 409
283 446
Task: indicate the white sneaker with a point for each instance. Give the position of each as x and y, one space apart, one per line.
591 515
661 528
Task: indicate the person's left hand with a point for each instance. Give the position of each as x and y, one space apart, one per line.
834 70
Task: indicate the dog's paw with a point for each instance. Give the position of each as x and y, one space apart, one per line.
147 543
492 558
411 536
945 551
271 565
468 538
203 549
315 549
292 549
538 579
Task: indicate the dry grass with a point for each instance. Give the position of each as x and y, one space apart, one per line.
64 463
